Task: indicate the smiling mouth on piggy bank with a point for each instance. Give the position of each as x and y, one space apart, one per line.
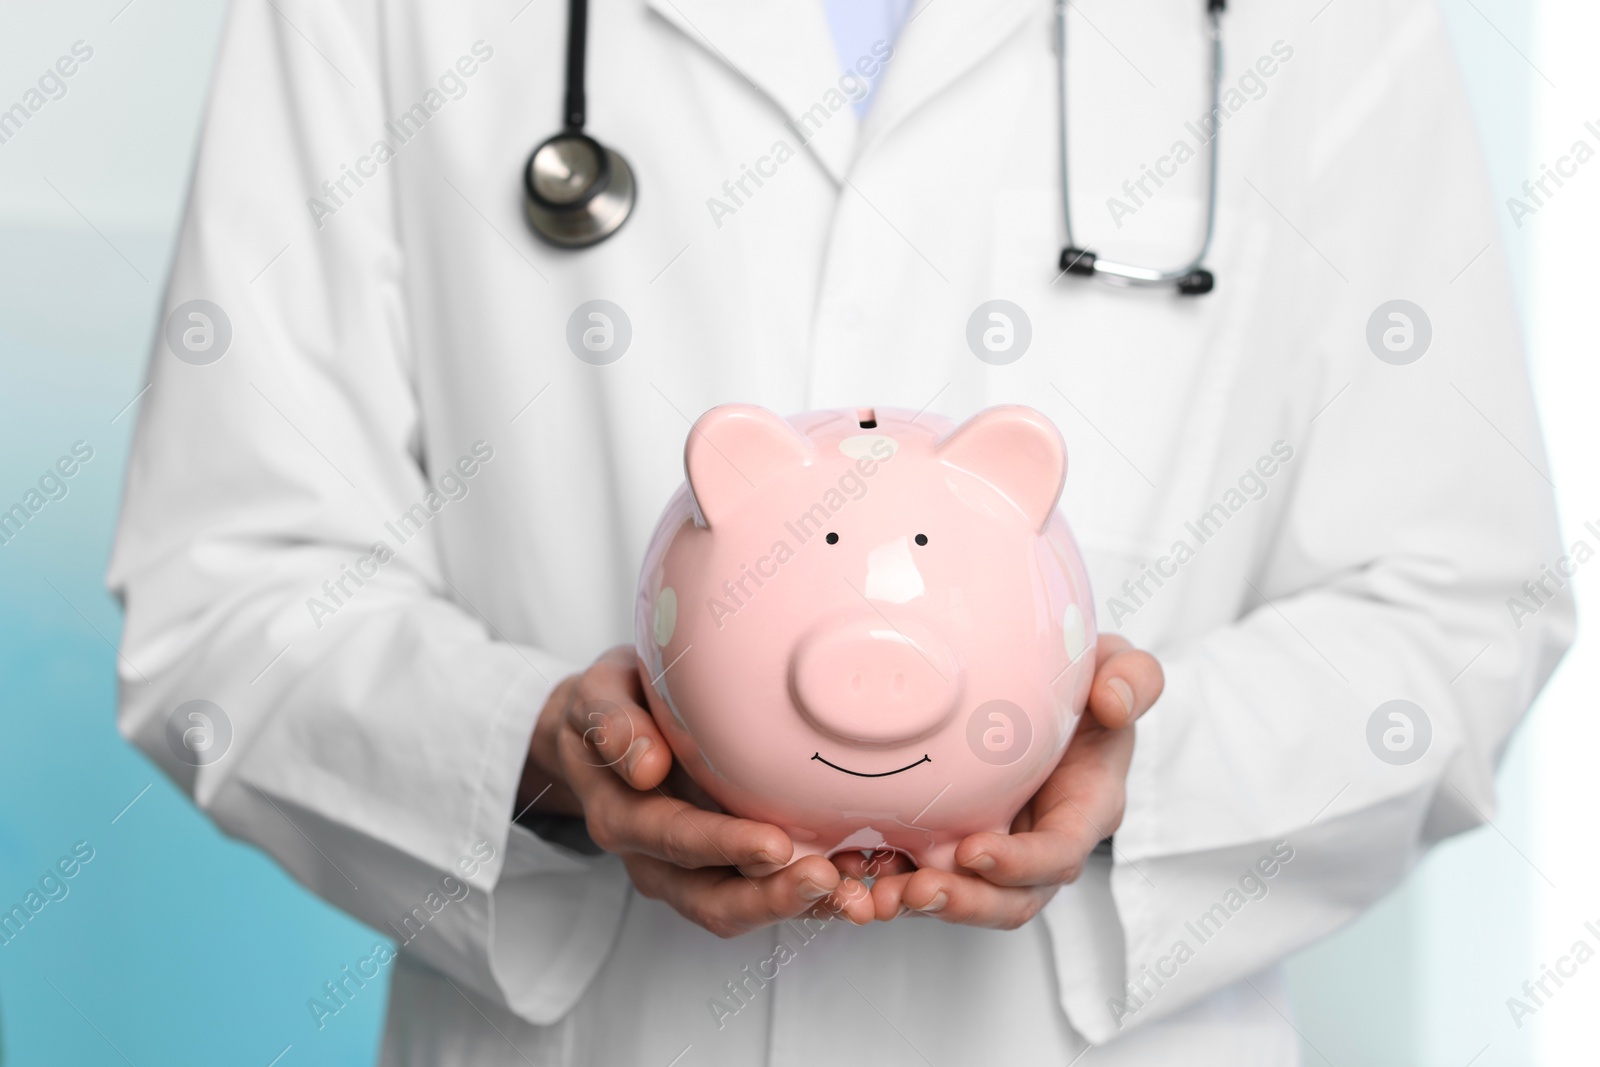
880 774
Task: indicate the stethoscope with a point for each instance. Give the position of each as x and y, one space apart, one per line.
1191 279
580 192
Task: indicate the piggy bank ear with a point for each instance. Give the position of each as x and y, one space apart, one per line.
1016 450
732 450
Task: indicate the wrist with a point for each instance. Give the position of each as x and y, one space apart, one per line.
543 789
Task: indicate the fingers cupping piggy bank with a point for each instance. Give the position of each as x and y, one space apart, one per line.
871 629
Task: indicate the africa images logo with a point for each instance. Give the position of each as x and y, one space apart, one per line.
1252 85
199 733
338 191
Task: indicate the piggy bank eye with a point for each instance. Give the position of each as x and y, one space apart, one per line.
922 539
832 539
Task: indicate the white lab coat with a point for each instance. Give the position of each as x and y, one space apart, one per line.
374 745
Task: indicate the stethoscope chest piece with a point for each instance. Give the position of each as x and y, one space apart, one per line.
578 192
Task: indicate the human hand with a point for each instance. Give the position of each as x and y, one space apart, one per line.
1007 878
599 744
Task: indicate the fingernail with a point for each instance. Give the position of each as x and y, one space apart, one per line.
981 862
763 856
635 753
940 899
810 890
904 910
1124 693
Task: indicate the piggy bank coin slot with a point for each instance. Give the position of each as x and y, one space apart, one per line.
867 417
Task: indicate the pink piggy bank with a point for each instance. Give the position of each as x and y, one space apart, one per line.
871 629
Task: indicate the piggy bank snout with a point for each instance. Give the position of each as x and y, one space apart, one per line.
867 682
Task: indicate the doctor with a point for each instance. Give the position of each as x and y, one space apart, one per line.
390 492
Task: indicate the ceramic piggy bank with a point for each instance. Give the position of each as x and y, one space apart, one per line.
869 628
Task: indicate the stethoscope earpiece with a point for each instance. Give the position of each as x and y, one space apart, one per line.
576 191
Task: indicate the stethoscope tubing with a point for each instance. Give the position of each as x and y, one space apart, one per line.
1127 273
582 221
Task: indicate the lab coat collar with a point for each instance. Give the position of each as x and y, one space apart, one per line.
785 49
941 42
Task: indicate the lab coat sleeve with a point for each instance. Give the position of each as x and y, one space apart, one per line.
1260 813
278 552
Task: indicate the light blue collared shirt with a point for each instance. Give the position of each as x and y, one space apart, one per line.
857 25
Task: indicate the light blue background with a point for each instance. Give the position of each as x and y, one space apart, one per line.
177 946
